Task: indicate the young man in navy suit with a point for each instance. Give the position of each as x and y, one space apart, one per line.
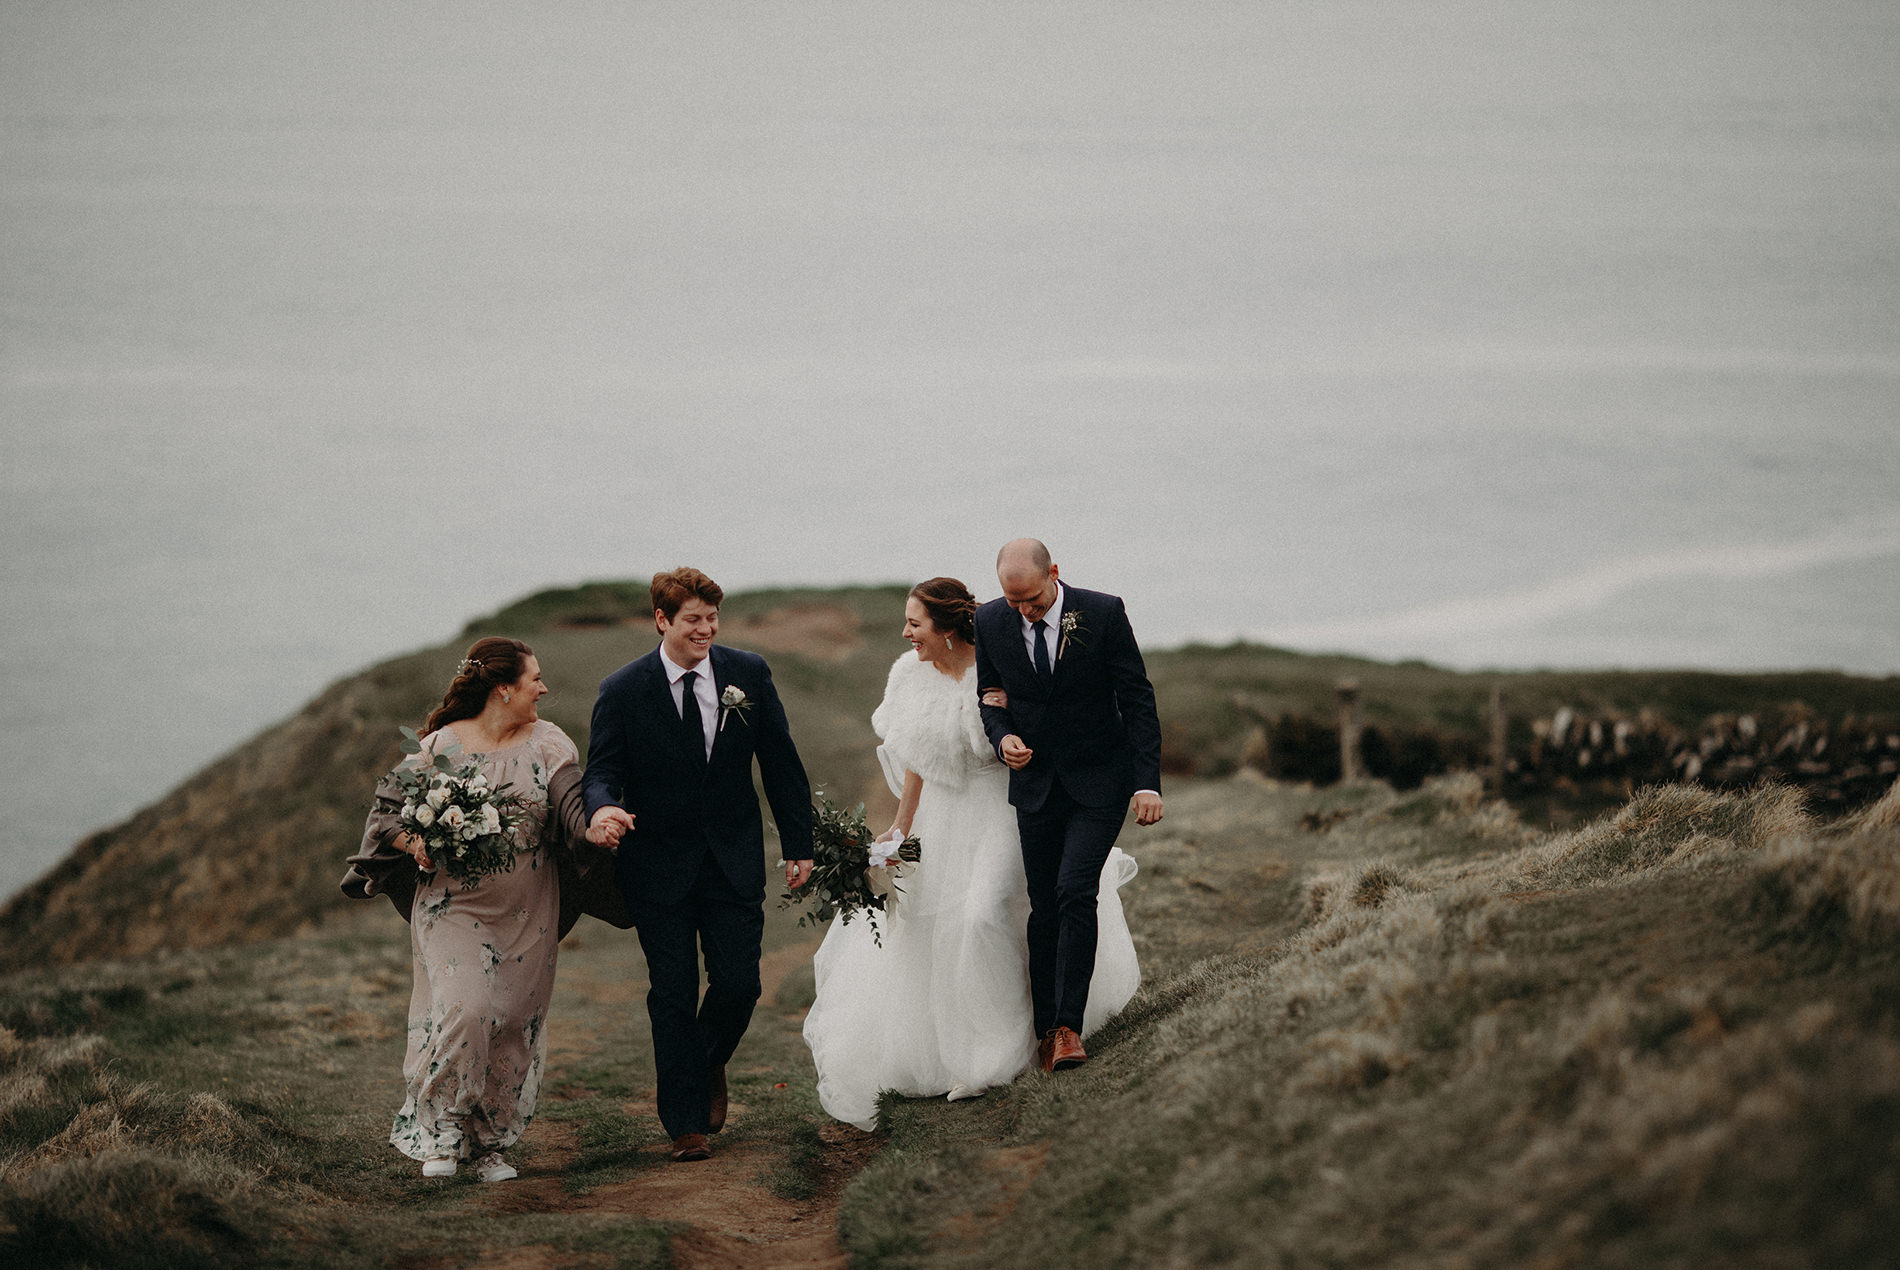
1081 738
669 785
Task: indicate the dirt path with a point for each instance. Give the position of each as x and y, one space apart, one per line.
733 1217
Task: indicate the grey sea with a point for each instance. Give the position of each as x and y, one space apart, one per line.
1491 332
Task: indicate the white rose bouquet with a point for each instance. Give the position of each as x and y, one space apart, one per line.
852 872
468 827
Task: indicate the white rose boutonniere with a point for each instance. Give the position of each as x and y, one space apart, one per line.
1072 629
733 698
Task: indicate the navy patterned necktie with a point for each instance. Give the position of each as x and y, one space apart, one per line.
1043 671
690 717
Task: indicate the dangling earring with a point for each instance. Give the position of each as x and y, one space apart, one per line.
506 697
949 642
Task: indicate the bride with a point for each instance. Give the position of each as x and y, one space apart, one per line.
943 1006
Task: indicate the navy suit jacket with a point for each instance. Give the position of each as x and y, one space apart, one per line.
1094 728
640 757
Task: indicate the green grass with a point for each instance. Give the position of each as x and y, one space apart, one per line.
1375 1029
232 1107
1666 1039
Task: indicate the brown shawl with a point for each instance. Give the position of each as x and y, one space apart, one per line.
586 872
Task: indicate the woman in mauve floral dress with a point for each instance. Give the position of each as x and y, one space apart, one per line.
484 953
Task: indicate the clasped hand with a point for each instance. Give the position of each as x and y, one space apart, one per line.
1147 808
1016 755
608 826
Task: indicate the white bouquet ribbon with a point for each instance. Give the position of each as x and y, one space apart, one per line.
883 867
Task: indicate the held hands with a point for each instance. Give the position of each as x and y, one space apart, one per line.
608 826
1147 808
1016 755
413 845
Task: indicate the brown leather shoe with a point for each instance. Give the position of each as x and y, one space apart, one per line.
716 1108
1045 1052
691 1146
1065 1050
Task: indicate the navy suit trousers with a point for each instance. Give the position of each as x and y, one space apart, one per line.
1065 845
693 1036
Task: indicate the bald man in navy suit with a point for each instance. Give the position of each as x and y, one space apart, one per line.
1078 730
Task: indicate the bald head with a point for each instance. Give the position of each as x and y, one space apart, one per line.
1022 555
1028 577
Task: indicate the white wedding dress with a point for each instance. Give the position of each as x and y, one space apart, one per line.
943 1006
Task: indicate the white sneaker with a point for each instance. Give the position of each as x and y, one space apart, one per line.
438 1168
492 1168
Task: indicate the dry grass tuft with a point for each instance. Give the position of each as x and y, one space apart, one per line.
1668 826
1776 1139
134 1210
1884 814
60 1100
97 1171
1375 883
1345 1060
1565 1054
1833 888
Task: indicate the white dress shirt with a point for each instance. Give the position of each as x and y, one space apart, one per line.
1054 618
703 688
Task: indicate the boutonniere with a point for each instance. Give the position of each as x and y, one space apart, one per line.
733 698
1072 629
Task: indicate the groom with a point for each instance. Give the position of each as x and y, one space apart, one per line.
1081 739
669 783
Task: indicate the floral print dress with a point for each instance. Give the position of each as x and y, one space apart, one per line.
484 963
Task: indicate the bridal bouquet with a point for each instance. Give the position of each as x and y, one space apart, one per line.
468 827
851 872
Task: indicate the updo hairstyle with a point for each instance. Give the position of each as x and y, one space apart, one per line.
951 607
492 662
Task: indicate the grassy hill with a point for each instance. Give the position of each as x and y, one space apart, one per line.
1375 1028
250 847
1423 1036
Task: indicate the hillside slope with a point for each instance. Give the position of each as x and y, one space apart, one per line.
1400 1031
251 847
1375 1029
